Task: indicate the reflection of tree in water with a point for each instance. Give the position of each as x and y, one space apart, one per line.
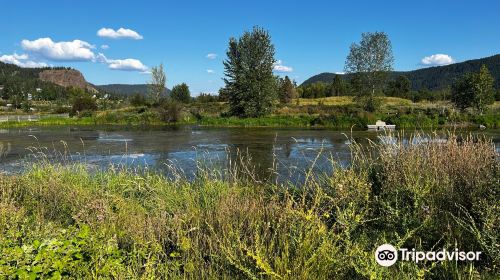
5 148
251 151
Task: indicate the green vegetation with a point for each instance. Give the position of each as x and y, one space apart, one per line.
65 221
474 90
370 61
431 78
181 93
286 90
249 77
368 92
157 84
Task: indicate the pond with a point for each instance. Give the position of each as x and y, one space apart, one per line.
185 147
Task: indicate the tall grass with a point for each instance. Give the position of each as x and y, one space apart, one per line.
426 192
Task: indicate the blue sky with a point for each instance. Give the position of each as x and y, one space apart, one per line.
310 37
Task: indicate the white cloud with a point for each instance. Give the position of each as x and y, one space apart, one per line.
128 64
211 56
210 71
75 50
104 47
279 67
121 33
21 61
437 60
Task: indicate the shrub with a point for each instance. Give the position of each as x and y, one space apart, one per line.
170 111
83 103
138 100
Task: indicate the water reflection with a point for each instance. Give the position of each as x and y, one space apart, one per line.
291 150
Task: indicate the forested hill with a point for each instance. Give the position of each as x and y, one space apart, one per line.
433 77
126 89
27 79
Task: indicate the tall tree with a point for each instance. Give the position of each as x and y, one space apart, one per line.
474 90
181 93
483 88
287 90
157 85
338 86
462 92
249 80
371 59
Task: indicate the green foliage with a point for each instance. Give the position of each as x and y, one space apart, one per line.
370 60
206 98
171 111
83 103
315 90
338 87
250 83
181 93
157 85
431 78
138 100
399 87
474 90
68 222
287 90
18 82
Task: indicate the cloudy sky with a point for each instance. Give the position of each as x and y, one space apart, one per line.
118 41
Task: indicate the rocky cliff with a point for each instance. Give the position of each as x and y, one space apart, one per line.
66 78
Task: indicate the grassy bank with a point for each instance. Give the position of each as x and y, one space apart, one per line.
65 221
332 112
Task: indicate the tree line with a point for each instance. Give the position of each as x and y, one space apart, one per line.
252 89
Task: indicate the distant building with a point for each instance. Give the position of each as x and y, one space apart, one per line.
30 97
1 87
38 90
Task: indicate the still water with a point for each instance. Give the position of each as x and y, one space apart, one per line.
184 147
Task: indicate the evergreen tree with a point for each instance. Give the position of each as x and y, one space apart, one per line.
287 90
338 87
249 80
399 87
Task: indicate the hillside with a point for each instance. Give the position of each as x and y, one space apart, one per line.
433 77
65 78
126 89
27 79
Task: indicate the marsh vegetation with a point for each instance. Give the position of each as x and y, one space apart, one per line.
68 221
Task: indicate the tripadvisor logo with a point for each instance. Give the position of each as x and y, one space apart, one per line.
387 255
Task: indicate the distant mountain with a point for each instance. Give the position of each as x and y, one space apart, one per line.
432 77
126 89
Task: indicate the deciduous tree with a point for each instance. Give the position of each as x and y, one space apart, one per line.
181 93
474 90
250 83
157 85
370 60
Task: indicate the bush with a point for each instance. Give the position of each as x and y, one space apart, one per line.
83 103
170 111
62 110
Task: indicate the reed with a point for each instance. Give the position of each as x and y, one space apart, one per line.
432 191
